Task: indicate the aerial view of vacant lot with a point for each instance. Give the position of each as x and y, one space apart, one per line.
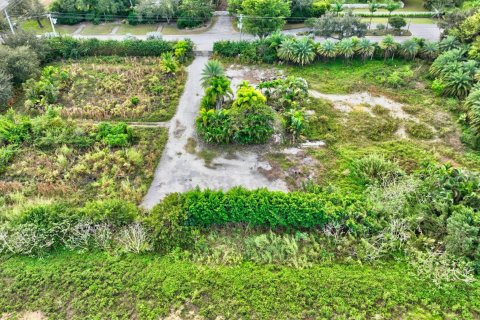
240 159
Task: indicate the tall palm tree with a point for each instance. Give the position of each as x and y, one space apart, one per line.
327 49
211 70
366 48
410 48
389 46
337 7
304 51
217 91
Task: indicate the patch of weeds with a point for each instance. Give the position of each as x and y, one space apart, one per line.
191 145
419 130
380 110
412 109
373 128
207 156
323 125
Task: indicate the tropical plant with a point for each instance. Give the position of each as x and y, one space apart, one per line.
337 7
389 46
366 48
295 123
409 48
346 47
327 49
430 50
304 51
248 95
219 88
168 63
472 103
449 43
458 83
445 61
286 49
211 70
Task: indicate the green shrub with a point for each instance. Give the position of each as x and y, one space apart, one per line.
168 222
14 129
115 135
6 155
463 229
213 126
66 47
252 124
419 130
115 212
274 209
375 169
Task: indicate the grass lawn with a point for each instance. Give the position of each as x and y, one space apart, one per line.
32 26
171 28
100 29
102 286
409 20
140 29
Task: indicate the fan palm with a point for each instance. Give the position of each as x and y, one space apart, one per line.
346 47
366 48
458 83
410 48
211 70
286 49
430 50
304 51
473 106
327 49
389 46
449 43
445 61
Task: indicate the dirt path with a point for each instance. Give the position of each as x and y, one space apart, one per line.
185 164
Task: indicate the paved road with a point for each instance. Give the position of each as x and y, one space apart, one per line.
3 4
223 30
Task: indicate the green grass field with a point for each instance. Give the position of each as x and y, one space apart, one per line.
101 286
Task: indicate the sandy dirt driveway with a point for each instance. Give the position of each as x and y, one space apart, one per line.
183 165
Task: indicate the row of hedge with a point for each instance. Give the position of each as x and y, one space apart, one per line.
262 207
67 47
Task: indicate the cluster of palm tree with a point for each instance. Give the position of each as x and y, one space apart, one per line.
456 73
304 50
216 84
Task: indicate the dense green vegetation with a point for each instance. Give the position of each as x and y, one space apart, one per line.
108 88
148 286
48 158
382 220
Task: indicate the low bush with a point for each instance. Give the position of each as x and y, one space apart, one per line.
419 130
274 209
